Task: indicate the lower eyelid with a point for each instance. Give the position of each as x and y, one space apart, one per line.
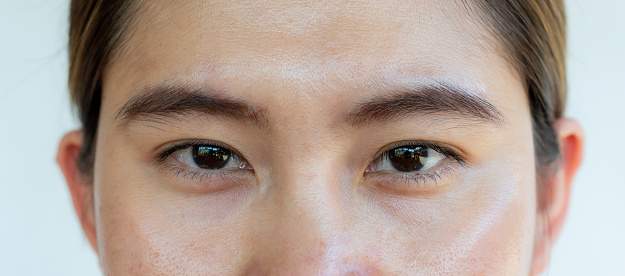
204 181
413 182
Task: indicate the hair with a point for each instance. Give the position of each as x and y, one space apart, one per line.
531 34
95 31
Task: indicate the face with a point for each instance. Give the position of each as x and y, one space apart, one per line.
313 137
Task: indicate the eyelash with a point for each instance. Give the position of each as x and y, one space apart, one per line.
416 178
425 144
162 157
190 173
411 178
194 175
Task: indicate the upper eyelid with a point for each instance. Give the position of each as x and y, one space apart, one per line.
420 173
445 149
166 150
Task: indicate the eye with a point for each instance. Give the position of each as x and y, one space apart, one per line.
204 166
209 157
409 158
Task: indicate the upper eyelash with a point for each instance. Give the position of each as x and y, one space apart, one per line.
190 174
426 144
196 142
416 178
419 177
161 157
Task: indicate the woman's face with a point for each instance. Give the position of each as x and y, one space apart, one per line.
313 137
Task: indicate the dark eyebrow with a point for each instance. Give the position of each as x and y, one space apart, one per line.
168 101
442 100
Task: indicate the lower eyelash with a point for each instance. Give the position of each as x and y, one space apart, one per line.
422 180
201 181
194 175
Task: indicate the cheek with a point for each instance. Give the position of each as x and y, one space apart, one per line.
494 232
484 226
144 229
142 235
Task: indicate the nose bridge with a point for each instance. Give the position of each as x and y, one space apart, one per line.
312 213
311 235
308 229
308 210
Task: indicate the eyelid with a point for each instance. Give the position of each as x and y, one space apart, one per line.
168 149
191 179
414 183
417 181
447 150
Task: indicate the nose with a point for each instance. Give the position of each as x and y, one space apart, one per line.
309 231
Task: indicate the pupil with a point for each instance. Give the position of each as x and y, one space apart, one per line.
209 157
408 158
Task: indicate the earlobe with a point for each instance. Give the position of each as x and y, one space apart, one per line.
557 191
79 185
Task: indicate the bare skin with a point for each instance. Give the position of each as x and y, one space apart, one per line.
310 194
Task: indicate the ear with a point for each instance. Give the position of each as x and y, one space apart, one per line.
557 191
79 185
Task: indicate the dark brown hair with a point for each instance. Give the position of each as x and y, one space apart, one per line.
95 31
531 34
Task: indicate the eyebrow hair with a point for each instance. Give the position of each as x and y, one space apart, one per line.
440 99
427 100
168 101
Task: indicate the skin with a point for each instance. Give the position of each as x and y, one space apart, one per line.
309 206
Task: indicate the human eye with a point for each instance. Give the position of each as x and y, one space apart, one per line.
203 163
413 166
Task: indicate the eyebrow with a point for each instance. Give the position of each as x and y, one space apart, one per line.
164 102
435 100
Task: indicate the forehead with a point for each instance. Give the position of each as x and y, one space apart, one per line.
324 42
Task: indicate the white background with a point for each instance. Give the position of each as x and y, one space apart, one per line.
39 234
